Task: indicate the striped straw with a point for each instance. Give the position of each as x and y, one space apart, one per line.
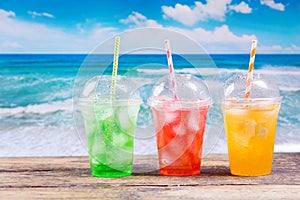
115 67
250 69
171 68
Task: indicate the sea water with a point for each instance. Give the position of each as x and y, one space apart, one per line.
36 99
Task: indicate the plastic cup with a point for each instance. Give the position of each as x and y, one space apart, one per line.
110 126
250 125
180 125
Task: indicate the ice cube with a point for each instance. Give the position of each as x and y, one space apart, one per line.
119 140
193 121
97 144
180 129
171 116
262 131
124 118
249 132
103 113
159 118
250 126
133 112
236 112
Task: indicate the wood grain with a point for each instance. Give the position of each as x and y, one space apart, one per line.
69 178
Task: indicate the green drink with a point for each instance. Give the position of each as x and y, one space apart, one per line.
110 127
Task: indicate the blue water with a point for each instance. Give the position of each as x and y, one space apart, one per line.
36 95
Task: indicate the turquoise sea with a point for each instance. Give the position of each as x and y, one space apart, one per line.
36 97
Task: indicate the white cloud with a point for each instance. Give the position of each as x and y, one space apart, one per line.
36 14
213 9
295 48
100 34
219 40
86 25
242 8
272 4
12 27
5 14
279 49
36 37
19 36
139 20
10 45
80 27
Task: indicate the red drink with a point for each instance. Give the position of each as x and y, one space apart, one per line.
180 128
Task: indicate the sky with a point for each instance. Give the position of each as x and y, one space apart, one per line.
220 26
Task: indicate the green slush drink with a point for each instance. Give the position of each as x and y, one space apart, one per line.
110 127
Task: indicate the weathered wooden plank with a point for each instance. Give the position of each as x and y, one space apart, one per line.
230 192
46 177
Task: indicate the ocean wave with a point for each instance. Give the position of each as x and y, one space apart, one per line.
38 108
289 89
280 67
293 71
287 147
196 71
153 71
40 140
286 78
35 79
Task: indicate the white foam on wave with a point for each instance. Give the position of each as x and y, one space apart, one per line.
279 72
288 147
21 81
196 71
40 141
39 108
287 77
268 70
286 70
61 79
289 89
153 71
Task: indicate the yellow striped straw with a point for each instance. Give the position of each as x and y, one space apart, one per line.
115 67
250 69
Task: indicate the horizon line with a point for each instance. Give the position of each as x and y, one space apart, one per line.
82 53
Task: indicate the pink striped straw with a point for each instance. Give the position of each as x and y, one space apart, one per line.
250 69
171 68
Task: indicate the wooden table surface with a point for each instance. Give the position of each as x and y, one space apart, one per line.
69 178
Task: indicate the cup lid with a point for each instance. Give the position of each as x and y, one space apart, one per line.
99 88
190 90
262 88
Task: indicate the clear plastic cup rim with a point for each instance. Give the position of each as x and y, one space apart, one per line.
253 100
98 101
153 102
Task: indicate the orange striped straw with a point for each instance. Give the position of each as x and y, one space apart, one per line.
250 69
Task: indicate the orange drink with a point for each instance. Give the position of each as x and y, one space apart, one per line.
250 129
